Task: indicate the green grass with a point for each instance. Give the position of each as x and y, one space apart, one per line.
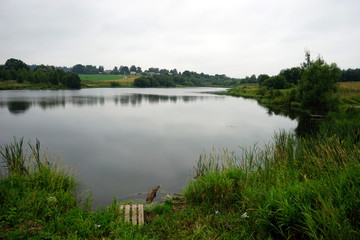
293 188
349 93
100 81
100 77
38 201
14 85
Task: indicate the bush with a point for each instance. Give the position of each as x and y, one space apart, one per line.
317 87
277 82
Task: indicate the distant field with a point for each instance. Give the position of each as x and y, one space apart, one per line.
350 85
99 80
350 93
100 77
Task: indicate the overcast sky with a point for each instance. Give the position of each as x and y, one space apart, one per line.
232 37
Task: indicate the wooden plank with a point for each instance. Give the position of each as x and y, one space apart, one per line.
134 214
141 214
121 212
127 213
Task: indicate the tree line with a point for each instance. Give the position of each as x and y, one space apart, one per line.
15 69
122 70
186 78
290 77
313 83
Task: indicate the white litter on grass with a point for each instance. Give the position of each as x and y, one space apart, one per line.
217 212
244 215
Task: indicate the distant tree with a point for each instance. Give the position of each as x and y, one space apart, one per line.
262 77
43 68
142 82
54 77
154 70
78 68
90 69
292 75
4 74
124 70
186 73
164 71
101 69
350 75
174 71
13 74
115 71
22 76
133 68
16 64
138 70
72 80
276 82
308 61
317 87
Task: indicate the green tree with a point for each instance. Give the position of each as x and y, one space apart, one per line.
78 68
262 77
124 70
276 82
164 71
292 75
72 80
317 87
16 64
22 76
142 82
54 77
133 68
115 71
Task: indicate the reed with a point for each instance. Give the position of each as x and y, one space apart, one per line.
14 158
292 188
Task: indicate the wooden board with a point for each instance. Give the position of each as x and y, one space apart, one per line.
127 213
141 214
135 213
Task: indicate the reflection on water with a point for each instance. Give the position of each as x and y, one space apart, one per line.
306 125
16 107
22 105
126 141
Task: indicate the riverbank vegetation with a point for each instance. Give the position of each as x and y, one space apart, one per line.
15 74
298 186
293 188
315 87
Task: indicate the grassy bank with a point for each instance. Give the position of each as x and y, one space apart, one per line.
294 188
348 93
87 81
100 77
14 85
98 81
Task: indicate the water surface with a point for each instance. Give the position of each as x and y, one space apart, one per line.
126 141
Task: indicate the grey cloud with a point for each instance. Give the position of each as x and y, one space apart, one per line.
237 38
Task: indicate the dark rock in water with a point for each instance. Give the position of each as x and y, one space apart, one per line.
152 194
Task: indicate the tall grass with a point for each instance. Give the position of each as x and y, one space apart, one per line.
38 201
294 188
14 158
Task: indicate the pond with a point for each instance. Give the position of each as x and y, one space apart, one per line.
125 141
